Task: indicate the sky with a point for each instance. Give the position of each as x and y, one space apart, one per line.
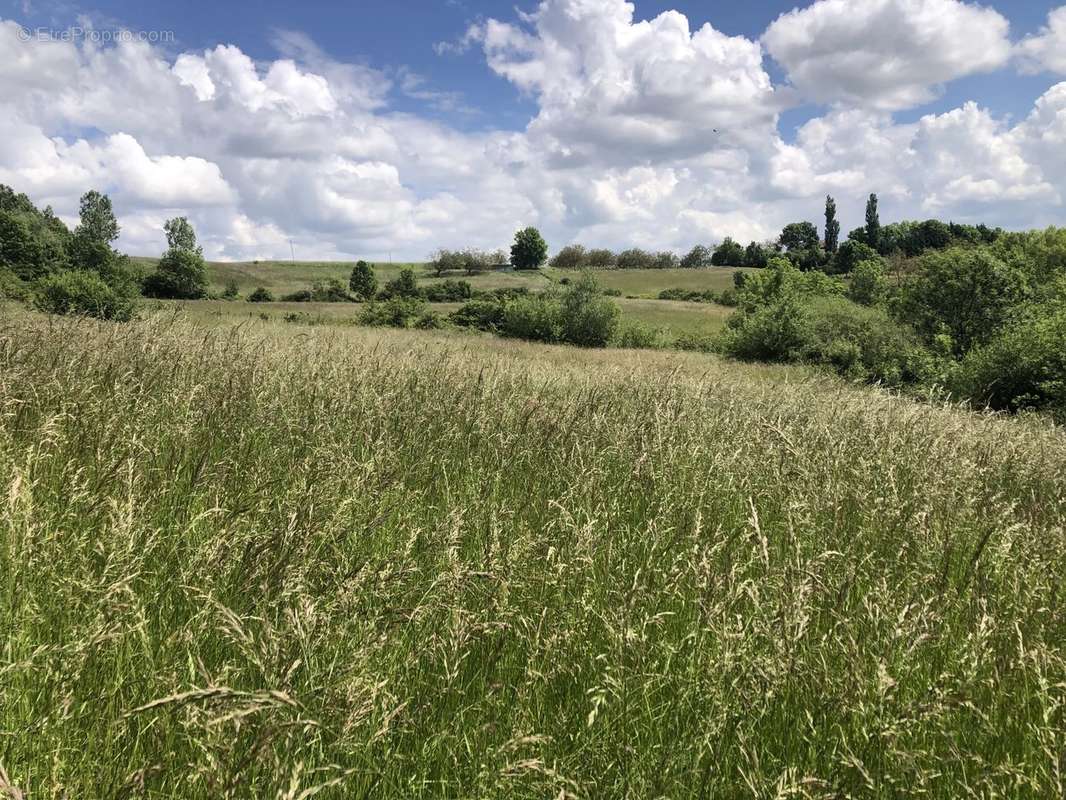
370 130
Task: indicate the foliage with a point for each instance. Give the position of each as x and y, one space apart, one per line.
757 255
1023 367
636 335
698 256
573 256
529 250
588 318
832 226
32 243
232 291
850 254
403 285
180 235
799 236
12 287
399 311
85 294
689 295
363 283
966 294
481 314
261 295
728 254
181 273
635 258
98 222
448 291
536 317
600 258
873 224
869 284
666 259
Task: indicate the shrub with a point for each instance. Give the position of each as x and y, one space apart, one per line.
181 275
231 292
689 295
1023 367
537 317
635 335
756 255
363 283
665 259
868 286
588 318
12 287
852 253
612 292
396 312
83 293
261 295
404 285
484 315
446 261
966 293
448 291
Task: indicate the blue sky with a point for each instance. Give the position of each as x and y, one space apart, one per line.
405 36
602 123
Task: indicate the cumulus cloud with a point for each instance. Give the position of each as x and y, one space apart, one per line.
885 54
1046 51
646 133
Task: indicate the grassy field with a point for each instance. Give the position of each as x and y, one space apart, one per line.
676 317
266 560
283 277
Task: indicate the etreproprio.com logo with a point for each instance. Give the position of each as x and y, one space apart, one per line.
92 35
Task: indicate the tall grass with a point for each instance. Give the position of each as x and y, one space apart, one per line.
259 562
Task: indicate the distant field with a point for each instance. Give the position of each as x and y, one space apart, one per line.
677 317
282 277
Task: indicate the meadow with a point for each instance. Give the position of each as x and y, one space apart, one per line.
265 559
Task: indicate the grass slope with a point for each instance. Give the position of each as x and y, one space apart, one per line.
265 561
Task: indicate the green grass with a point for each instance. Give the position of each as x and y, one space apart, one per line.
260 560
676 316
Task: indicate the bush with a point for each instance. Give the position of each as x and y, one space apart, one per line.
967 294
83 293
328 291
869 286
728 254
231 292
1022 368
635 258
404 285
665 259
484 315
181 275
12 287
635 335
537 317
850 254
448 291
689 295
396 312
261 295
612 292
588 318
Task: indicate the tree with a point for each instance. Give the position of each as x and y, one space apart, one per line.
798 236
406 285
832 225
698 256
967 294
181 236
98 223
570 257
363 282
529 250
850 254
868 285
873 223
182 273
755 255
728 254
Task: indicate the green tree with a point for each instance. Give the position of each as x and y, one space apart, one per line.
873 223
405 285
755 255
98 222
868 286
798 236
832 226
363 282
698 256
181 273
966 293
529 250
850 254
728 254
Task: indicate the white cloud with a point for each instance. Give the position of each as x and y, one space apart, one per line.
885 54
621 151
1047 49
